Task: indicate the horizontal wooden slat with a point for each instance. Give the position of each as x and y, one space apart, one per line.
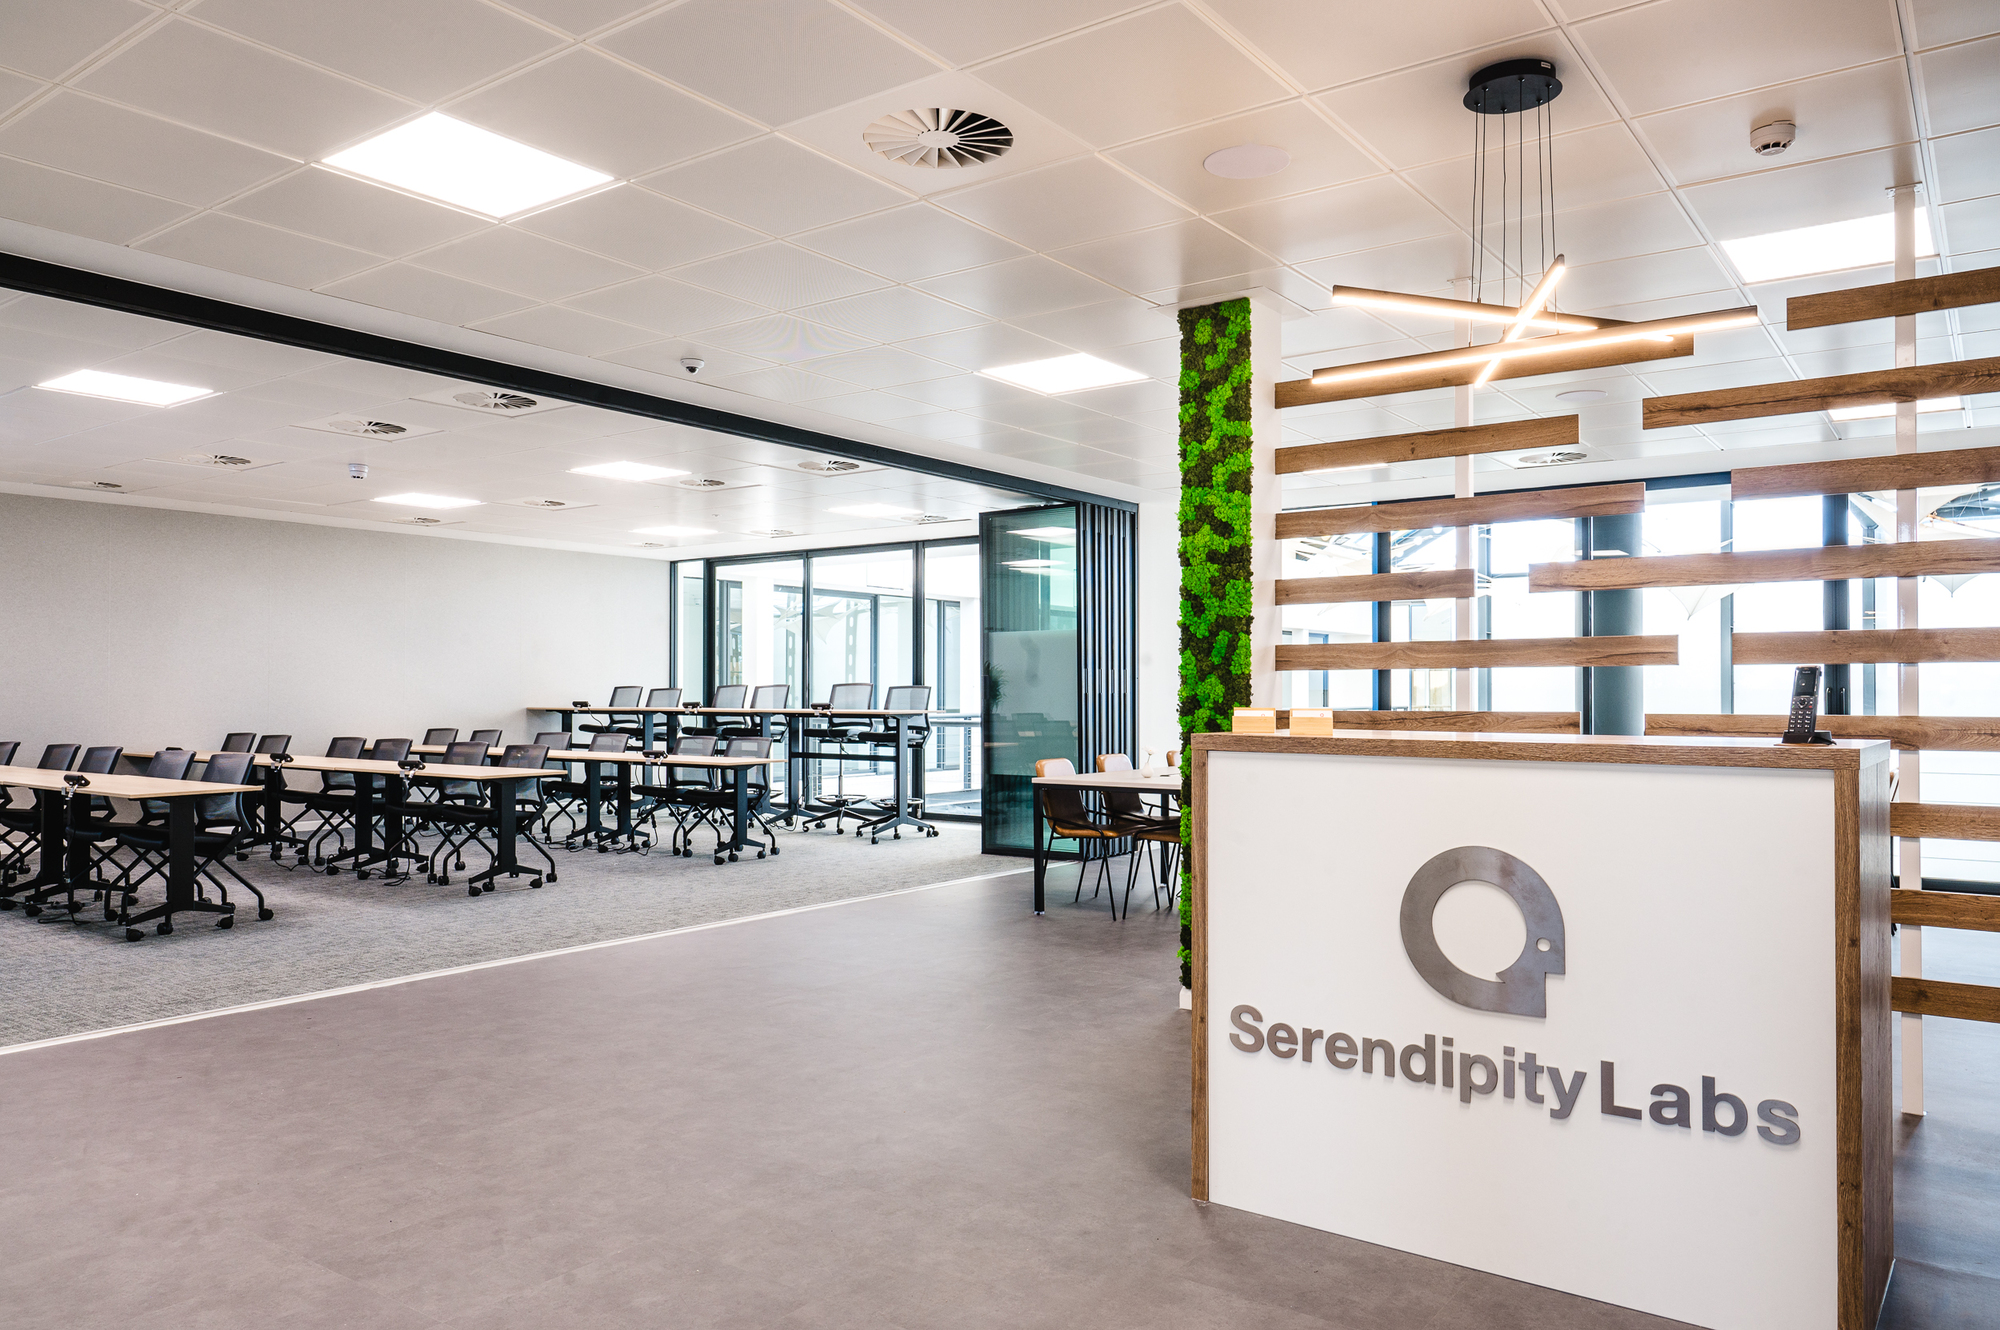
1480 510
1861 475
1501 653
1503 437
1921 558
1945 734
1942 821
1914 383
1935 997
1945 909
1864 646
1302 392
1922 295
1435 584
1484 722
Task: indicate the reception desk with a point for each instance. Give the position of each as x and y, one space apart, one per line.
1608 1015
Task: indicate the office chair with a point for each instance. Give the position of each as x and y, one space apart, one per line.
332 802
490 738
718 801
166 764
625 695
222 823
439 738
569 798
1127 809
238 741
680 796
96 809
7 751
20 828
1069 820
483 814
427 794
273 743
901 697
841 697
657 697
725 696
767 697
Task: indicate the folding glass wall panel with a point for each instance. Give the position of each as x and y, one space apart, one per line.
950 624
1029 609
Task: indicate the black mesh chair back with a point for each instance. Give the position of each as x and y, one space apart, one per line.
59 757
729 695
390 750
274 743
100 761
223 809
851 697
7 751
908 697
440 737
530 756
664 697
610 743
345 746
463 755
693 745
749 746
771 697
169 764
490 738
238 741
551 740
627 695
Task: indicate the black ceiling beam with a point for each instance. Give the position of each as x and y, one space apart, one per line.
158 302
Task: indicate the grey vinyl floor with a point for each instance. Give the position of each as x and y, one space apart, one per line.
928 1109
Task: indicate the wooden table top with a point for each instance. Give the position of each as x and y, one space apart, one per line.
371 766
118 787
1169 782
748 711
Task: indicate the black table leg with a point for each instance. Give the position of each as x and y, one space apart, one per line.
624 804
593 825
180 875
50 804
506 832
1041 854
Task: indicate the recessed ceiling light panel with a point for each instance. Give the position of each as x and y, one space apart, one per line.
125 388
1063 374
416 499
1863 242
627 471
447 159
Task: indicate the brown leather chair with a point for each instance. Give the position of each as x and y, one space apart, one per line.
1147 828
1069 819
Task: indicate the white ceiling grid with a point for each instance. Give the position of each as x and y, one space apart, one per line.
749 225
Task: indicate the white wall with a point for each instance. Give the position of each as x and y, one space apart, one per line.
1159 624
147 627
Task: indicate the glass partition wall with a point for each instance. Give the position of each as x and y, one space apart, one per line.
1031 685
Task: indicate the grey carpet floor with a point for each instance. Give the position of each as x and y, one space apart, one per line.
59 977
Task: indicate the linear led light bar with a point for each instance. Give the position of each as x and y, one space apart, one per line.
1544 292
1461 310
1659 330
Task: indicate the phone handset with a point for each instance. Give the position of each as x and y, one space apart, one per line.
1802 720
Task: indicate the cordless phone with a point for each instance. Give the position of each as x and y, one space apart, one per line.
1804 715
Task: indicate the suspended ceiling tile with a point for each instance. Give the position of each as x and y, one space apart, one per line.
780 276
1418 115
949 426
1133 77
665 305
1623 228
426 294
787 383
1702 378
783 337
1652 55
1065 204
256 250
1338 220
1591 166
966 31
1019 287
873 407
809 55
1159 359
982 348
353 212
1942 21
1323 45
896 311
881 367
912 242
1968 165
1677 272
86 323
17 88
1116 322
421 51
581 16
1958 86
640 227
776 186
1804 195
522 262
47 39
1837 114
202 78
79 206
1972 226
1341 326
1320 155
125 147
1171 255
601 114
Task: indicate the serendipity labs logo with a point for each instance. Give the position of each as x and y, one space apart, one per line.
1518 990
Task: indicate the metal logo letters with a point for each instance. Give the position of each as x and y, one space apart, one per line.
1519 988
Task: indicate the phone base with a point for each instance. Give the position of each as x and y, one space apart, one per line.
1820 737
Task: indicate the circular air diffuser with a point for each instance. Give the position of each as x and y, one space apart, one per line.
1557 458
487 400
831 466
938 137
372 429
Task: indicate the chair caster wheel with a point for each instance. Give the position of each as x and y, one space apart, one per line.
73 906
872 840
333 872
32 911
491 885
895 835
760 854
164 927
431 878
134 935
444 879
266 914
535 884
361 875
774 851
242 858
552 877
718 859
459 864
6 904
473 890
226 921
732 856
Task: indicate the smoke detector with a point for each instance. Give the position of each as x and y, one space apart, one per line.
1559 457
424 521
937 137
1772 139
106 486
224 461
547 505
775 533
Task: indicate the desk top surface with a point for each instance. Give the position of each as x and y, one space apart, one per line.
1840 755
120 787
300 762
1168 782
745 711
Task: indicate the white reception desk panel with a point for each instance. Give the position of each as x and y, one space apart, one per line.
1640 1101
